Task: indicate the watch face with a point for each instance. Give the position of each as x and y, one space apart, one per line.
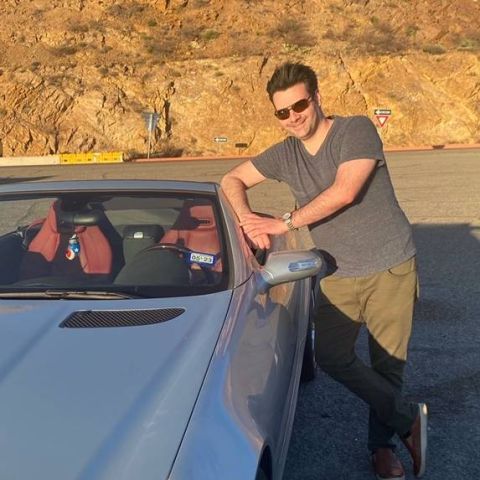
287 216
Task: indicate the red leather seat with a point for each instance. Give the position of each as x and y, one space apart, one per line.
196 229
45 254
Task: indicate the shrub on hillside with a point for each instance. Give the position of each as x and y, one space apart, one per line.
434 49
293 32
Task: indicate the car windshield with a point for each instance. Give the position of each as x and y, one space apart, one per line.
111 245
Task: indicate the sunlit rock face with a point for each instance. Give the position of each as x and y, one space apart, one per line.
79 75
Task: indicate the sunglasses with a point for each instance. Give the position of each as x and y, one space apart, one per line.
297 107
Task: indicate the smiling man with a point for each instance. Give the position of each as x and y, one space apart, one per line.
335 167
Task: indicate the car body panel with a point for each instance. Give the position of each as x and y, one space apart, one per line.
249 396
100 403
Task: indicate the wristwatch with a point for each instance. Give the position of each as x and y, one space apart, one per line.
287 218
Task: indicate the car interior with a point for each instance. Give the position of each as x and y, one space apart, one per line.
90 240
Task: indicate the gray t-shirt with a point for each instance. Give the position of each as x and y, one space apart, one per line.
371 235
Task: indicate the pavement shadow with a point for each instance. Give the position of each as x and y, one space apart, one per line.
448 254
8 180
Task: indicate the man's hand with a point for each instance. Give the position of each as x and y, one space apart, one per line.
235 184
258 228
262 241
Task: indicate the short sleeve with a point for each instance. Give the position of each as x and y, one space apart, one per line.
361 140
270 162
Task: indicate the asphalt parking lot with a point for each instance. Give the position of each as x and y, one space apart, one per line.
440 192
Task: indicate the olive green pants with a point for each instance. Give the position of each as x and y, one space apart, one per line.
384 303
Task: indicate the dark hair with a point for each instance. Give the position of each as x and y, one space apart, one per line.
289 74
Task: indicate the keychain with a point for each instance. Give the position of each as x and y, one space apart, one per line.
73 247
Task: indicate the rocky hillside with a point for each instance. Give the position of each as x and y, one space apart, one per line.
77 75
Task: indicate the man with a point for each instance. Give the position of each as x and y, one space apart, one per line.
336 169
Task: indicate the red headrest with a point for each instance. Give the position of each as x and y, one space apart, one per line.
95 251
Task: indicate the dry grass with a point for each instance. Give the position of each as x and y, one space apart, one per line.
434 49
209 34
293 32
64 50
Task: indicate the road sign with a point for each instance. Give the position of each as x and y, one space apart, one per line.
151 120
220 139
382 115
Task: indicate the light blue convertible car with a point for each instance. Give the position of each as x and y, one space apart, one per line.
141 338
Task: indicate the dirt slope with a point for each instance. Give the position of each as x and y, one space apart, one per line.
76 75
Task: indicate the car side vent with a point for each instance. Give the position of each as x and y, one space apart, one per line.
119 318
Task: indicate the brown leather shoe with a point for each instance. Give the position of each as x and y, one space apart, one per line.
416 442
386 465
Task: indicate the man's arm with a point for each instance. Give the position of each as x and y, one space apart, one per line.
235 185
350 179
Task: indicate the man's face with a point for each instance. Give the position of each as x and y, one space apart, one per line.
303 124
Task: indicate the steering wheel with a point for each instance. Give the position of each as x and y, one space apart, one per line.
184 251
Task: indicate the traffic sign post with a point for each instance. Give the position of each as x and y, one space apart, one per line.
220 139
382 115
151 120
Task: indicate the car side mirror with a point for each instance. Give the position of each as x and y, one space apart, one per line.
289 266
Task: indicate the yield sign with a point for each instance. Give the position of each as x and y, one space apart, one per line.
382 115
382 119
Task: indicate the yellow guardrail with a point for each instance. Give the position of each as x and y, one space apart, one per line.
91 157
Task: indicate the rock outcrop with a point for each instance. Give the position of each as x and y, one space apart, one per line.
77 75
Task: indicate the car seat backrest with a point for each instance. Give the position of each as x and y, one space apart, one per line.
138 237
196 229
95 256
154 267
